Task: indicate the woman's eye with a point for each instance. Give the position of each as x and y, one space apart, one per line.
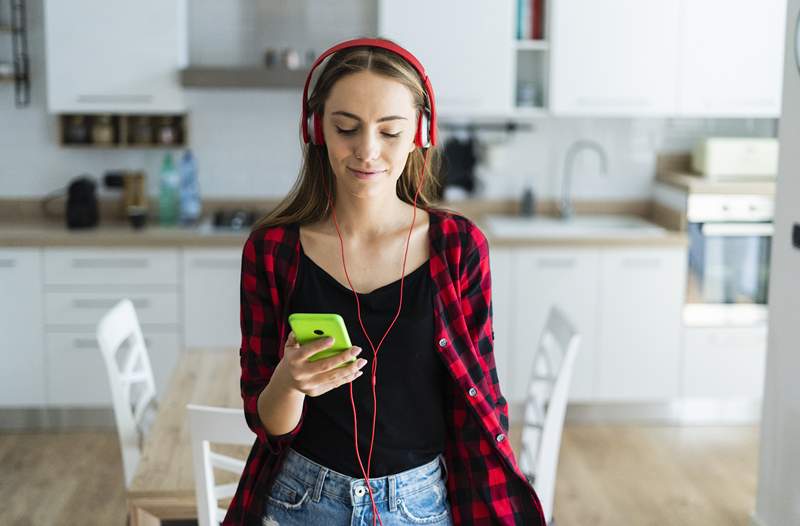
392 135
345 132
351 131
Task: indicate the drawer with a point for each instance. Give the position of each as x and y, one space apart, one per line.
104 267
77 375
86 308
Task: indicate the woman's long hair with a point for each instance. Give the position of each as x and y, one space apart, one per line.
307 201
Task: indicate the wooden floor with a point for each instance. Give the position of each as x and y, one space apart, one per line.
608 475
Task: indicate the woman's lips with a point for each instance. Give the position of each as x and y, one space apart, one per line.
365 175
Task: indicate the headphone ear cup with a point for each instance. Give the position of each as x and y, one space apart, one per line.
422 137
318 137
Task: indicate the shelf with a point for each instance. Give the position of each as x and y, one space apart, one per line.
533 45
221 77
124 129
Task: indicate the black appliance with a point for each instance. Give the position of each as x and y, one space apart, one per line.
82 208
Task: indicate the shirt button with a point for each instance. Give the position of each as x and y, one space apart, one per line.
473 391
442 342
500 437
360 491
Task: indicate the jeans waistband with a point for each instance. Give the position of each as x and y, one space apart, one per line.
354 490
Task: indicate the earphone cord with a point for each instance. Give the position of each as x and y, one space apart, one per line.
374 349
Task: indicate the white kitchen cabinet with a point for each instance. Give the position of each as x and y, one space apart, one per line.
732 58
724 362
640 323
22 381
466 47
542 278
119 57
76 373
211 297
80 286
614 58
500 260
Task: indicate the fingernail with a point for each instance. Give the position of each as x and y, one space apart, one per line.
356 351
361 362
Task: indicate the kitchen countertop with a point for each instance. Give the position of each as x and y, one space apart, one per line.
54 234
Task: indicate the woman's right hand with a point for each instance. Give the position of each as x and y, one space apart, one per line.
316 378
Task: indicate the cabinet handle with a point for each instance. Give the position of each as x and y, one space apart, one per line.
91 343
216 263
556 263
105 99
109 263
641 263
107 303
8 263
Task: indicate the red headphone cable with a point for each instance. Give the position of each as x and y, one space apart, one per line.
374 349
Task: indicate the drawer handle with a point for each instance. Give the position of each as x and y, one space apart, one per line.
91 343
556 263
641 263
217 263
8 263
109 263
107 303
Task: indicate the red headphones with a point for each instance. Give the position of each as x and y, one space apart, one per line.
426 123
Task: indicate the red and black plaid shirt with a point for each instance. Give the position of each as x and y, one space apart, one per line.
485 485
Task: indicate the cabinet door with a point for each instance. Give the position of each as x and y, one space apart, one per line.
500 260
77 376
115 56
724 362
732 58
543 278
211 297
21 328
614 58
465 47
640 323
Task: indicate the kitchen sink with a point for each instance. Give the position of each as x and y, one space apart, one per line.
605 225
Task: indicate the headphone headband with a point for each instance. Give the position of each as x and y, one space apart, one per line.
315 135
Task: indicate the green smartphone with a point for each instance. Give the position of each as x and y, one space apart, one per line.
308 327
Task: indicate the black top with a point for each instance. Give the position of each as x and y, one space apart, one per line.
410 424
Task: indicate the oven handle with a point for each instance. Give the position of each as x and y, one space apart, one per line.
738 229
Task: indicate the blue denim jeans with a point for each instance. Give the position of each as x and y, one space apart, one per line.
308 494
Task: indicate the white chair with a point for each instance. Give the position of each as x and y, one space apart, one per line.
130 376
546 404
219 425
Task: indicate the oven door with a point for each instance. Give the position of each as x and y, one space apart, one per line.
728 273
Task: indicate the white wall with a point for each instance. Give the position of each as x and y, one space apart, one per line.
247 141
778 499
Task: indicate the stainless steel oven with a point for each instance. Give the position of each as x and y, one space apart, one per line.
729 257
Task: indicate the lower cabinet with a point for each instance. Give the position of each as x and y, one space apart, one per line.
626 304
211 298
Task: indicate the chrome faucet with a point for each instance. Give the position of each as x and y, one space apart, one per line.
565 209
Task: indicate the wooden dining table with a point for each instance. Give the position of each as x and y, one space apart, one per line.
163 485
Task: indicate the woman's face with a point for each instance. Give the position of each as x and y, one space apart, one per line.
369 124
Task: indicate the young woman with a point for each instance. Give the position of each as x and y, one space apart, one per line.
356 234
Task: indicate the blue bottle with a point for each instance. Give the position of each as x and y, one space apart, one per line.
168 192
191 206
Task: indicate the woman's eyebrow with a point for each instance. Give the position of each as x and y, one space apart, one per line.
355 117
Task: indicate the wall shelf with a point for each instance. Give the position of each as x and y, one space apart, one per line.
123 131
224 77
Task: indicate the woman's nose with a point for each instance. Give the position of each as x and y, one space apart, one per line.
368 147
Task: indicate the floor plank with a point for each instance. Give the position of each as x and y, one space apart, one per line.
608 475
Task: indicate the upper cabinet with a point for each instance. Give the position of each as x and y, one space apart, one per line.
700 58
115 57
732 58
466 47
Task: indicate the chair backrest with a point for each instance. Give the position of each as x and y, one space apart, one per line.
545 405
130 376
220 425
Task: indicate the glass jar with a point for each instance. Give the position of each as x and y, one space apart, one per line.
103 130
166 131
77 131
141 131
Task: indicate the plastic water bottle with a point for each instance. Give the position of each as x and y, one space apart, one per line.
168 192
190 190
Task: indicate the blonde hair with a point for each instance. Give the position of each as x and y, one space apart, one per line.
307 201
